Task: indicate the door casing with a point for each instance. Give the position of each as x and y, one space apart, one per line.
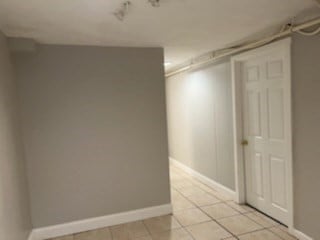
283 45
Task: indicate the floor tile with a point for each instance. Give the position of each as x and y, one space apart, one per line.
129 231
179 202
204 199
283 228
239 224
281 233
161 224
262 219
173 192
175 234
98 234
208 231
260 235
68 237
202 186
188 191
144 238
240 208
181 184
191 216
220 195
220 210
174 175
186 175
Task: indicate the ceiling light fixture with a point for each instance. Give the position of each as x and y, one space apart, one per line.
123 11
154 3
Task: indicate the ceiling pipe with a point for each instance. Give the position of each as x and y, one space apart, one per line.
259 43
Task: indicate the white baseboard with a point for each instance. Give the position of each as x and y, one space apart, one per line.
99 222
223 189
299 235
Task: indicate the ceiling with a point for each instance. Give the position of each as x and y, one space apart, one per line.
185 28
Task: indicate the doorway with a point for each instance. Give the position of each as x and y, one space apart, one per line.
262 129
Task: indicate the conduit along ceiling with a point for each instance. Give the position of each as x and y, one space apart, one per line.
185 28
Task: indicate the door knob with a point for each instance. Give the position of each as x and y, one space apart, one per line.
244 142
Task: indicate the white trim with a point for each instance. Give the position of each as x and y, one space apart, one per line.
237 133
208 181
99 222
299 235
282 45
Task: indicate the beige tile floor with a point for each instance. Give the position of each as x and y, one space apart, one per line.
199 213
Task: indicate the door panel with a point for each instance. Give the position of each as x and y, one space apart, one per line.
264 127
278 182
275 113
257 175
274 69
254 112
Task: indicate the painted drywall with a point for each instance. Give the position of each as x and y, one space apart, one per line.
94 127
306 132
15 221
199 106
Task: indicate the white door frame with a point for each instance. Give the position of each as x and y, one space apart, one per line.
281 46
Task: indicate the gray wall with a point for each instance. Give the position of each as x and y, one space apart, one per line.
306 133
199 105
15 222
94 127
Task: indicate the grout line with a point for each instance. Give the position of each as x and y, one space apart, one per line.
282 231
145 225
198 207
258 230
210 193
233 235
181 227
240 213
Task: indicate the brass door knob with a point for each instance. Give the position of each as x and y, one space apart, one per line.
244 142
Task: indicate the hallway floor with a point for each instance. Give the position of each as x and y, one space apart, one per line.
199 213
207 214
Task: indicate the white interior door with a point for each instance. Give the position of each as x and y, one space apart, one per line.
266 116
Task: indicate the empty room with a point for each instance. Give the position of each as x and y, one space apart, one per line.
160 120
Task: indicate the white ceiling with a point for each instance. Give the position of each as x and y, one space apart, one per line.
185 28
